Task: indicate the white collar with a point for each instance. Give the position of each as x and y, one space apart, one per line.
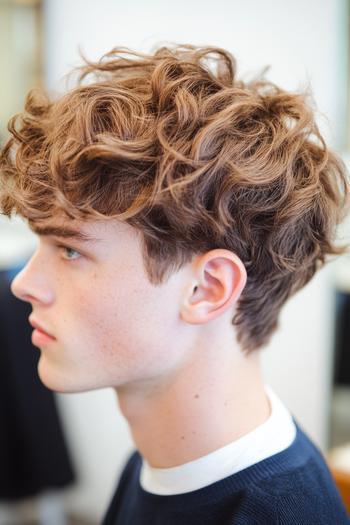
272 436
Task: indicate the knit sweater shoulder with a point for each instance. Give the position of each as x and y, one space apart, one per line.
292 487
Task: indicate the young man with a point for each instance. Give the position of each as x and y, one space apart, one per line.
177 209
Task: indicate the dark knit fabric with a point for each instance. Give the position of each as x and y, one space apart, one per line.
294 486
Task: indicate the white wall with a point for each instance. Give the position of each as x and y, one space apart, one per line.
303 43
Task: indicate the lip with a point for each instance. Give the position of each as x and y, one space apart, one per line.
39 330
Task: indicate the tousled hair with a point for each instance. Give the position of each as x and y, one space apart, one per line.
194 159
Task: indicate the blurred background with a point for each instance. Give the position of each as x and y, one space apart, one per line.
61 454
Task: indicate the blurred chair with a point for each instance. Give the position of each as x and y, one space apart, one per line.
338 460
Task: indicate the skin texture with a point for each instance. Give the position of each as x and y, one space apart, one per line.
169 351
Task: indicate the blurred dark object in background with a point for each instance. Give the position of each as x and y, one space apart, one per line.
342 338
33 451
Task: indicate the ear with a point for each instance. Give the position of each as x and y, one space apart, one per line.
218 278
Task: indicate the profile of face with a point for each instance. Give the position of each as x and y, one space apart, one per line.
110 326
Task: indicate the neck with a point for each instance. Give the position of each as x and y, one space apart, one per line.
206 405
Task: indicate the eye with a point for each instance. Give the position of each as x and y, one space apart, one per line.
69 253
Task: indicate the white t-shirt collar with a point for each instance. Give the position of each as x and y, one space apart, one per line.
271 437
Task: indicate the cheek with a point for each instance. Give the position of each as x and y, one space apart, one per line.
126 329
111 323
121 328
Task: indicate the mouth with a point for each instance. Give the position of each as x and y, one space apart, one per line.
39 330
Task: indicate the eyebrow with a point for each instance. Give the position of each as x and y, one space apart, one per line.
63 232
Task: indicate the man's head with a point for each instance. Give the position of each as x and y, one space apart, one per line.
112 326
174 160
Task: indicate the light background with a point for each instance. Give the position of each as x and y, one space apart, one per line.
305 44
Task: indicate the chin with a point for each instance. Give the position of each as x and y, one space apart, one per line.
61 381
57 382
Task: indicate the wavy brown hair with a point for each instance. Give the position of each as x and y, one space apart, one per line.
194 159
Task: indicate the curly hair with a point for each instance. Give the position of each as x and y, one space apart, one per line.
194 159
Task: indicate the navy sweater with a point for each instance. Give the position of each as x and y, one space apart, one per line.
292 487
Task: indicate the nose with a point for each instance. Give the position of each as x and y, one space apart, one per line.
31 283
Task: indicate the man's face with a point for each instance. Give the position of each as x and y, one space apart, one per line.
111 326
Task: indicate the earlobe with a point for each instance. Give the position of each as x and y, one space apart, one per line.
220 277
